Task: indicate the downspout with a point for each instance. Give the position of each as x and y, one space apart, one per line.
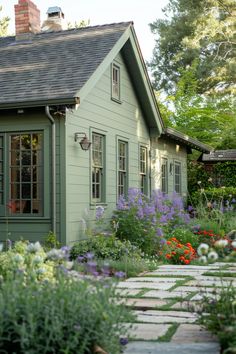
53 136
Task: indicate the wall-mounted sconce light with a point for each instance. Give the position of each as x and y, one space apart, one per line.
84 142
171 168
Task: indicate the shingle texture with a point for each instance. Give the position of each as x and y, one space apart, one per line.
220 155
53 65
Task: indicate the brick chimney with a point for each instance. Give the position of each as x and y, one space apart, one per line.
27 19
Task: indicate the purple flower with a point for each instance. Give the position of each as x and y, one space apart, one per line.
106 270
124 341
120 274
190 208
163 219
159 232
233 201
80 259
121 204
89 255
163 241
99 212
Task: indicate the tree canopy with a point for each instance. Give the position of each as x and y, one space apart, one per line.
4 22
202 30
194 65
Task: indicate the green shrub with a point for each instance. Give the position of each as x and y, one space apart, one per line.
105 247
222 197
219 316
185 236
29 259
69 316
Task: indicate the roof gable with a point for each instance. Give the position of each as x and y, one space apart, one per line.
53 65
61 66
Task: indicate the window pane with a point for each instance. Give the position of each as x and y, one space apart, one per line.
26 173
97 166
122 168
164 175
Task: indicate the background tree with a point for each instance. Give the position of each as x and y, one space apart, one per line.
202 30
4 22
193 64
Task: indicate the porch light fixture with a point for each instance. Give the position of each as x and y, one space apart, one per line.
84 142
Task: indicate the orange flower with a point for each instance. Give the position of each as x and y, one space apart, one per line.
168 243
168 256
186 252
186 261
181 258
179 245
174 253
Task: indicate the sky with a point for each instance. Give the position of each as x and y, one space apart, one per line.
141 12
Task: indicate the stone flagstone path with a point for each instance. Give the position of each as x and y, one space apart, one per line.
164 302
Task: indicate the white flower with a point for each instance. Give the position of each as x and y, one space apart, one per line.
33 247
199 182
69 265
18 258
41 271
221 243
212 256
37 260
233 244
55 254
203 259
203 249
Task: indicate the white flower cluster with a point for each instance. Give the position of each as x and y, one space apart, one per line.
205 255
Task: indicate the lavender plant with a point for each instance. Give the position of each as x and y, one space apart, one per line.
144 221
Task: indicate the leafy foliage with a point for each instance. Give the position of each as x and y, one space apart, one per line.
105 247
4 22
69 316
143 221
191 30
218 315
220 174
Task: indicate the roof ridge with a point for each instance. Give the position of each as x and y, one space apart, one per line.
69 30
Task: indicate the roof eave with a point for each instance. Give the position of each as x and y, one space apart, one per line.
186 140
40 103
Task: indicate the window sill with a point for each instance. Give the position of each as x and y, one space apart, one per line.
116 100
22 219
94 205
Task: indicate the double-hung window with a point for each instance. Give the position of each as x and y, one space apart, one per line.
122 168
164 175
115 82
177 177
143 169
98 142
21 174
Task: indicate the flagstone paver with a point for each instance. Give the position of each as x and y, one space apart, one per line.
148 331
146 303
192 333
209 282
165 317
146 347
153 290
165 294
144 285
155 279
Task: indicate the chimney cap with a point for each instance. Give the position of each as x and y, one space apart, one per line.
54 9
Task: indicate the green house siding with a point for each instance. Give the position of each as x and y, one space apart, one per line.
115 121
172 152
25 226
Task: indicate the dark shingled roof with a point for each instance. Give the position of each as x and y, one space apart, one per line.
220 155
186 140
53 65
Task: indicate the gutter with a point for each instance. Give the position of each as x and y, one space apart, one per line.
53 135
